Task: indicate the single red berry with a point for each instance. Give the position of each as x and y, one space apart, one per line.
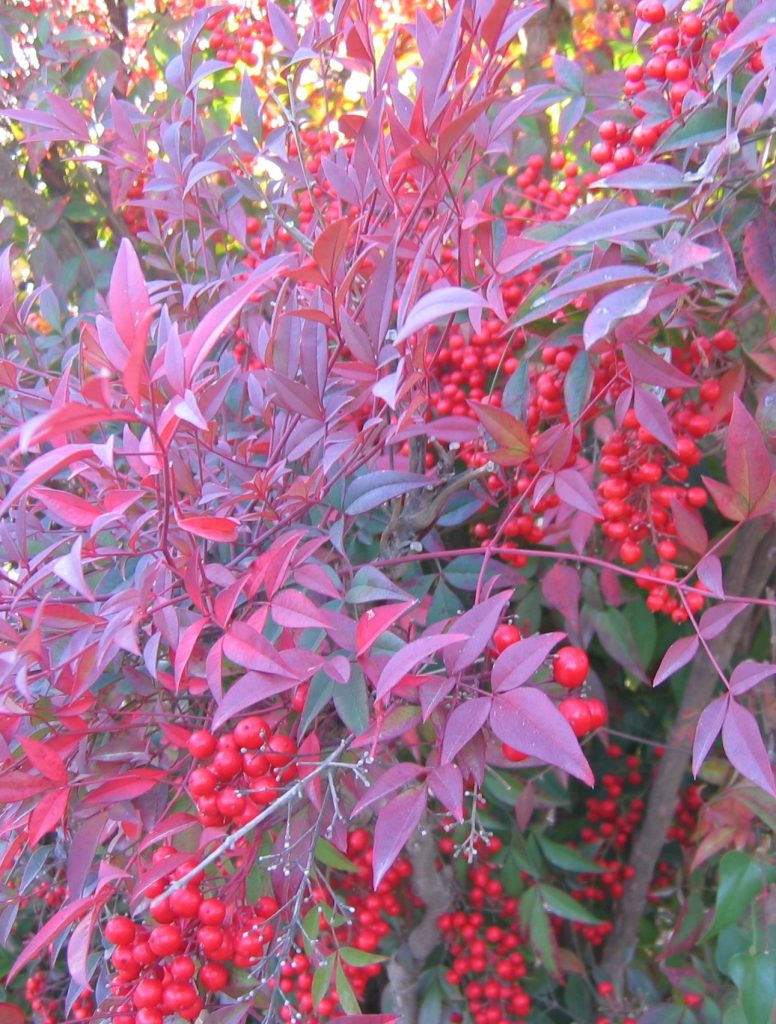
577 714
512 754
505 635
213 977
202 744
570 667
251 732
120 930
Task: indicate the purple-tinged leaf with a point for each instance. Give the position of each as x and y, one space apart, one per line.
747 460
505 429
677 656
690 529
131 311
628 223
731 504
650 176
562 589
250 690
399 719
69 568
760 254
628 301
479 623
527 720
371 490
215 322
408 658
398 776
186 645
572 488
248 648
65 916
42 468
442 302
446 784
709 571
745 748
717 619
432 692
748 674
647 367
293 609
515 665
396 823
709 724
653 417
464 721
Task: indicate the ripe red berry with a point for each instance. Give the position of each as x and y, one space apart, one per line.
213 977
251 732
165 939
570 667
512 754
212 912
505 635
120 930
577 714
202 744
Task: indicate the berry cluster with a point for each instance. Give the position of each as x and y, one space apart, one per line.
246 770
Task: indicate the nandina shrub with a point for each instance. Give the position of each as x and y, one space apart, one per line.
388 404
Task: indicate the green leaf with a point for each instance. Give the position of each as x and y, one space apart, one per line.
331 856
319 694
577 385
431 1010
444 604
560 903
705 125
734 1015
311 923
322 980
644 629
563 857
536 923
359 957
731 940
618 641
350 700
755 977
740 880
347 996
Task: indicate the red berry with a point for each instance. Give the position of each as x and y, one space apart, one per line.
202 744
512 754
505 635
120 930
212 912
577 714
251 732
213 977
570 667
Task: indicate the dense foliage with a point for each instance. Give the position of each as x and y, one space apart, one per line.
388 424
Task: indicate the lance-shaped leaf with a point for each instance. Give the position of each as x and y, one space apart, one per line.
396 823
446 784
479 622
572 489
709 724
464 721
216 528
371 490
398 776
131 311
442 302
526 719
748 674
676 657
628 301
408 658
760 254
50 930
515 665
744 747
507 431
747 460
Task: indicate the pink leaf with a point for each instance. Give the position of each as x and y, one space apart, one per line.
748 674
709 724
677 656
527 720
69 508
442 302
624 302
505 429
396 824
131 311
408 658
479 622
745 748
446 784
464 721
250 690
647 367
42 468
759 253
653 417
371 490
398 776
50 930
186 645
561 589
747 461
717 619
294 610
709 571
43 757
519 661
572 488
731 504
47 814
689 527
376 621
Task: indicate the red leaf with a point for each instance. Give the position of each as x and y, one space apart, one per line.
515 665
47 815
131 311
216 528
214 323
409 657
446 784
398 776
731 504
186 645
647 367
69 508
760 254
294 610
745 748
464 721
747 460
16 786
53 927
376 621
709 724
47 761
330 246
527 720
42 468
689 527
249 690
678 654
396 824
127 787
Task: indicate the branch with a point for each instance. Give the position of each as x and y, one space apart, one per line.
752 566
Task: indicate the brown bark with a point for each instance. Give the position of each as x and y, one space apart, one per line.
751 568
